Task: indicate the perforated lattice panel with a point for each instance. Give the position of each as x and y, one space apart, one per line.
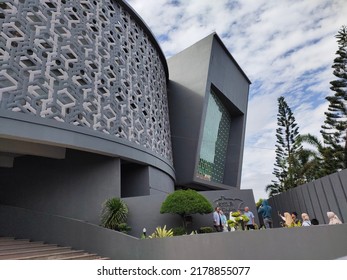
85 63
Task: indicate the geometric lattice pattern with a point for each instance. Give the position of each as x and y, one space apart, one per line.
86 63
215 140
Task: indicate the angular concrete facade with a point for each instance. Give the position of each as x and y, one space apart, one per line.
88 111
196 73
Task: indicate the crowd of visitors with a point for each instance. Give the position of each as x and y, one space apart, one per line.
265 212
291 220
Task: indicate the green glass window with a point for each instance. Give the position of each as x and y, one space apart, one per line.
215 141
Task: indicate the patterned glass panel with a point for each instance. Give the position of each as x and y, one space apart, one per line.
215 141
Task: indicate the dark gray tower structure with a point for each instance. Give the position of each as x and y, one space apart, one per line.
208 96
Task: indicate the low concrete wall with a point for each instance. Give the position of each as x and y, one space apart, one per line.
39 226
316 242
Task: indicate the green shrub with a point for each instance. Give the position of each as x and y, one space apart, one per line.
206 230
123 227
231 223
161 233
239 220
143 236
235 214
177 231
114 213
245 219
185 203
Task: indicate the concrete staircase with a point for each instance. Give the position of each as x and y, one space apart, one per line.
24 249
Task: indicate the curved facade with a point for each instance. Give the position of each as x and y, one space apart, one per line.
84 113
92 64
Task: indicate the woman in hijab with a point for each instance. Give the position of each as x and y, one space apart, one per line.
333 219
288 220
305 220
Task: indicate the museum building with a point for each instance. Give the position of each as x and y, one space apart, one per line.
91 109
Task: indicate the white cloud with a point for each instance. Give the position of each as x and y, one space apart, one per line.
285 47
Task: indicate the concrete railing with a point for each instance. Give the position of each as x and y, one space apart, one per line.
316 242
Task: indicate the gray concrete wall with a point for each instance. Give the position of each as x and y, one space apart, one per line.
75 187
187 88
141 180
53 133
135 180
144 211
228 78
315 198
160 182
304 243
234 162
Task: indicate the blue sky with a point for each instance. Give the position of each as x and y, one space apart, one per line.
285 47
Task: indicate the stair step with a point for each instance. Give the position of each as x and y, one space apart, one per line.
32 252
84 256
30 245
54 256
24 249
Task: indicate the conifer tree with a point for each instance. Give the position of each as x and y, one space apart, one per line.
286 168
334 130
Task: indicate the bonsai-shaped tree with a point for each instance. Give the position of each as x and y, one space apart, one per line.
114 213
185 203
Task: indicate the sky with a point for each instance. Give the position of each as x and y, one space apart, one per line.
286 48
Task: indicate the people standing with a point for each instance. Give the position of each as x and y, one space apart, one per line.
223 221
250 215
296 221
217 220
305 220
265 210
333 219
288 219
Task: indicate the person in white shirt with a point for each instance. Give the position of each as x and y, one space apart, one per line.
250 215
306 222
217 221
